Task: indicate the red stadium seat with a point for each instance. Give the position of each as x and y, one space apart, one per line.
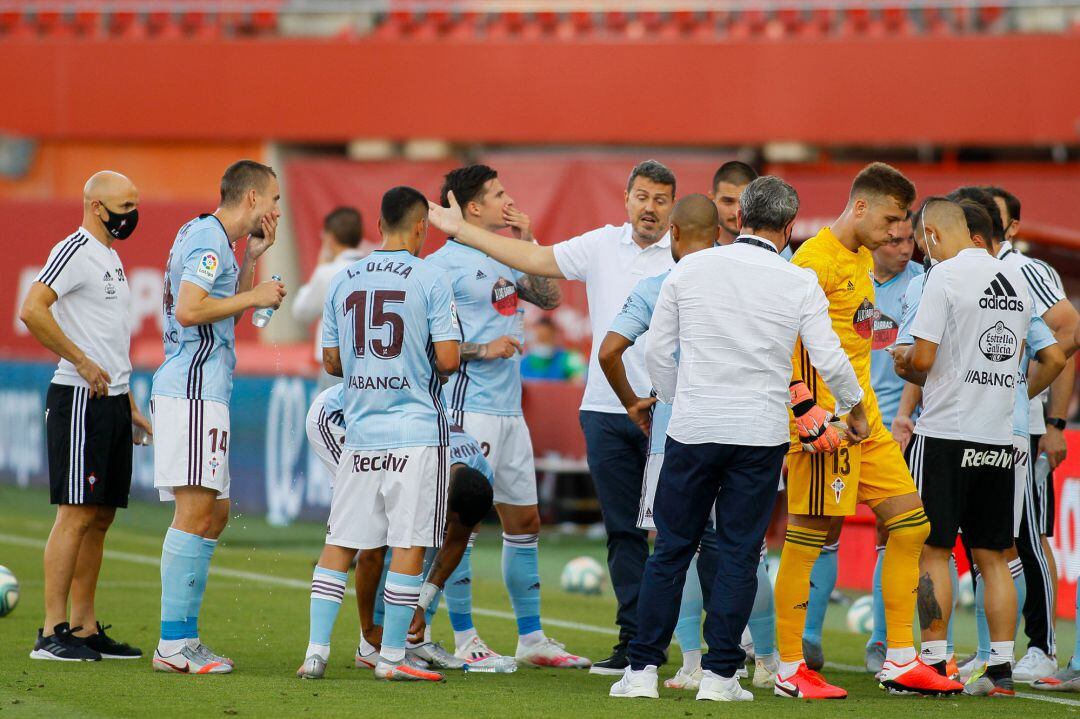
264 22
50 22
991 18
897 21
398 23
856 22
707 25
126 24
87 23
819 24
543 25
749 23
506 25
615 22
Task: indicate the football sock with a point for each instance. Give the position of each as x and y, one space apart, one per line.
822 584
688 628
1016 567
933 651
900 574
202 573
400 596
982 627
900 655
788 668
429 614
327 590
877 636
179 565
1000 653
691 660
954 582
521 574
801 549
762 621
458 593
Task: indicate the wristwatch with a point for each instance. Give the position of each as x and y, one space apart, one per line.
1056 422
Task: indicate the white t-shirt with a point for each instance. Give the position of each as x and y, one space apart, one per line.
1044 286
93 307
611 264
308 304
977 310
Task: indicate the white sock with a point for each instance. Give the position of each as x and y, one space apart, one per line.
900 656
691 660
322 650
789 668
427 634
412 645
392 654
1000 653
168 647
366 648
527 640
463 638
934 651
193 642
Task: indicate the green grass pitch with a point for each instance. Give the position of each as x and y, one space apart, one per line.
256 610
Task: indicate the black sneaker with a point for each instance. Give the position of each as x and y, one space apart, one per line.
63 646
108 647
614 665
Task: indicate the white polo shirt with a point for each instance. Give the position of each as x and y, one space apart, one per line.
93 307
610 264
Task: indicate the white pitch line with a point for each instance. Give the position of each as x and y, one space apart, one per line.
152 561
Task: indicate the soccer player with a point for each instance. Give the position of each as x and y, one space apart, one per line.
610 260
485 399
206 294
893 271
728 182
389 328
468 501
80 308
969 332
827 481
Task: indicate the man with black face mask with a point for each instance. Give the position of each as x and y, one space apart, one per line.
89 413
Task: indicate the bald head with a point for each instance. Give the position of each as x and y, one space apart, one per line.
110 203
694 225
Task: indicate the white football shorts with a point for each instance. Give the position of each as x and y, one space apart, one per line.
191 445
508 449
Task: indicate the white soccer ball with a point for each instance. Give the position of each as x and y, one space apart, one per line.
965 594
9 591
860 616
583 575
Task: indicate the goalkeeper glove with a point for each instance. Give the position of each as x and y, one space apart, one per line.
817 432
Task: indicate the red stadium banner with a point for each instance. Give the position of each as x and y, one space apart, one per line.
1066 539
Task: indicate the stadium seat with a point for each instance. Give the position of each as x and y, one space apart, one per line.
506 25
50 22
897 21
543 25
820 23
264 22
397 24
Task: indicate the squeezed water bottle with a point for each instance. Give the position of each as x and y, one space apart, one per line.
1042 470
261 318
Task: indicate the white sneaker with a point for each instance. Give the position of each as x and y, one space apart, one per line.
684 679
1036 664
636 684
719 689
742 672
435 656
765 669
314 667
188 661
366 661
475 650
970 666
549 653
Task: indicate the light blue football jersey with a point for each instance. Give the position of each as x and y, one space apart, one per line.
909 307
383 313
1039 337
464 449
200 360
485 292
632 322
332 399
889 306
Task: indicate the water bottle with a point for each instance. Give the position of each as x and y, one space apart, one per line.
1042 470
140 437
519 325
261 318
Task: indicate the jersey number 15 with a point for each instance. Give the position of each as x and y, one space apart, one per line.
357 304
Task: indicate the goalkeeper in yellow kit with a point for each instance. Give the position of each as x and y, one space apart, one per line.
828 477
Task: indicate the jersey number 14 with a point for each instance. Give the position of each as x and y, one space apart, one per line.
357 304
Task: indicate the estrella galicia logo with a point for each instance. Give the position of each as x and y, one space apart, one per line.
998 343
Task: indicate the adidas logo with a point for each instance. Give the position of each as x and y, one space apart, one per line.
1000 295
850 286
480 275
108 277
535 587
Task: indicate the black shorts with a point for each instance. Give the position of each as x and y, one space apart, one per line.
89 447
965 487
1043 499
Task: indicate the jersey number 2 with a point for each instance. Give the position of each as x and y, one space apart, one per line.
357 302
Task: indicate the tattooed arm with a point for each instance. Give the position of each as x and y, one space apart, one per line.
543 292
501 348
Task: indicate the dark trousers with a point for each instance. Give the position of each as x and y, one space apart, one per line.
1039 606
741 482
616 451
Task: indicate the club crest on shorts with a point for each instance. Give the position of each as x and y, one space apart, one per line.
214 464
838 488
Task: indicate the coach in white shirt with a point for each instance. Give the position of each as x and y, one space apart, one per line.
721 342
342 235
610 260
79 307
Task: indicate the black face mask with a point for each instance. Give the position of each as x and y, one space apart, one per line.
120 225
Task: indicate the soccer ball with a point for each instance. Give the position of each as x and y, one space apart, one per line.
860 617
9 591
583 575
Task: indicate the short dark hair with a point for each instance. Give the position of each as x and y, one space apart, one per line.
346 225
470 494
735 172
883 180
984 198
467 183
977 219
1012 202
653 170
399 204
241 176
